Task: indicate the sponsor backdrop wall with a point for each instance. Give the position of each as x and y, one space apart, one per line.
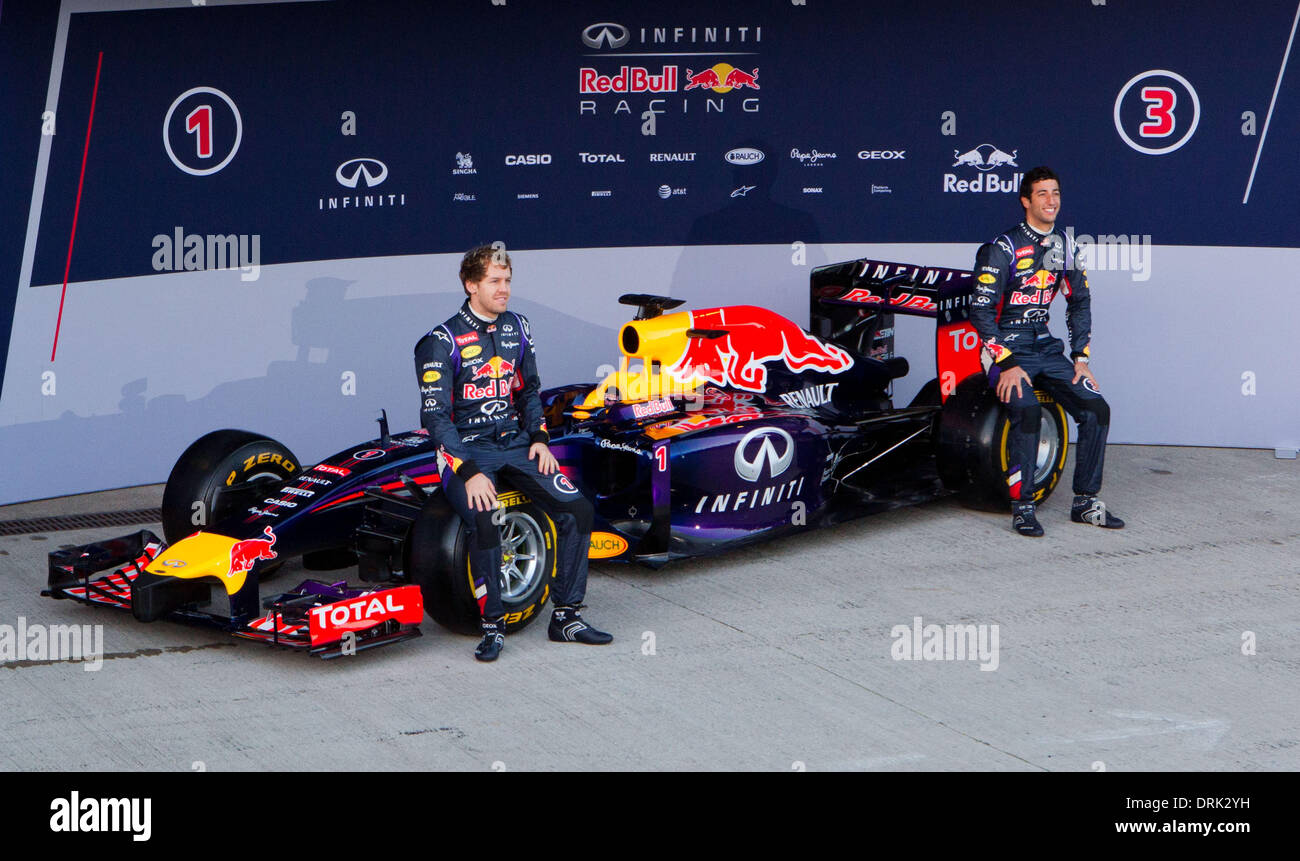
258 208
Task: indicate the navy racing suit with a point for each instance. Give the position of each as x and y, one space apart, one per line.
1016 277
479 392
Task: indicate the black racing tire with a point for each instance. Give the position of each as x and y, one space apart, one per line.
972 454
437 560
224 470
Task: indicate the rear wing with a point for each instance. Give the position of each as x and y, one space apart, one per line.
853 304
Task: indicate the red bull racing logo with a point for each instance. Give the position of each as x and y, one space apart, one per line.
754 337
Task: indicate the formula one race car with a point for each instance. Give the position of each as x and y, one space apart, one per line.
719 427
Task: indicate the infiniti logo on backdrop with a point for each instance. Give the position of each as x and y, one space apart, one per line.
350 172
751 469
605 34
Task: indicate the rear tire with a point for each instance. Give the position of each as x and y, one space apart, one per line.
219 474
437 560
973 433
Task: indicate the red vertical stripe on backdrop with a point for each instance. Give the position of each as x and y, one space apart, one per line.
67 267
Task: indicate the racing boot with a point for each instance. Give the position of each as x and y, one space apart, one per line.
1090 509
1024 521
494 638
568 627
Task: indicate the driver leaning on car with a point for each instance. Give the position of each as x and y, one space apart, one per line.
480 402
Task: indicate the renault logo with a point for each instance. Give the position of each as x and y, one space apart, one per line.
605 34
350 172
751 468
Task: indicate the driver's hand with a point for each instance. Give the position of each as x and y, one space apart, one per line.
1082 371
481 492
546 462
1011 380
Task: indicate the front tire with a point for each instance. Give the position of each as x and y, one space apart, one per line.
219 474
437 560
973 434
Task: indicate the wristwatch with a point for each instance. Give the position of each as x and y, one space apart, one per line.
1083 359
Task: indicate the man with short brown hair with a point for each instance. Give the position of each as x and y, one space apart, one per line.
479 391
1016 277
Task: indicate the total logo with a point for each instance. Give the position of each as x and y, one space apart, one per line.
601 158
361 175
667 191
984 158
522 160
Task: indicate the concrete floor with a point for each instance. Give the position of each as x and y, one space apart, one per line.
1116 650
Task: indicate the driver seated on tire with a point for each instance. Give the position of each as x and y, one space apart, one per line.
479 401
1016 277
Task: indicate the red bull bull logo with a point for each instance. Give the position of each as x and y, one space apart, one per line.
722 78
245 554
755 336
1040 280
495 368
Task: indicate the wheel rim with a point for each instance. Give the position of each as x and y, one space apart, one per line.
522 548
1049 447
